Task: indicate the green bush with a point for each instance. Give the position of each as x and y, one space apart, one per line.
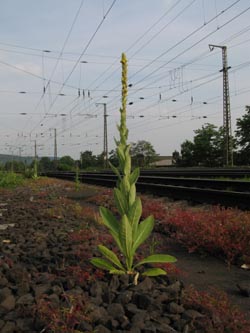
10 179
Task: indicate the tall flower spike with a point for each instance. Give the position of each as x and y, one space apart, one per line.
129 232
123 127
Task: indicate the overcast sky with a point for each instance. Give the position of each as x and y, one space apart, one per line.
59 58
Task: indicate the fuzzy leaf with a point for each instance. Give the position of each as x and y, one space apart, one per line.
117 271
110 255
134 176
143 231
120 152
132 194
126 236
109 220
102 263
127 164
154 272
134 215
120 201
157 258
125 185
115 170
116 141
117 240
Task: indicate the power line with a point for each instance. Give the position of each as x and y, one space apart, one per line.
79 58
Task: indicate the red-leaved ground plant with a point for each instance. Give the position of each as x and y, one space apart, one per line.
222 316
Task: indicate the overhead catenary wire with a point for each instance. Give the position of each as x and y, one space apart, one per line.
79 58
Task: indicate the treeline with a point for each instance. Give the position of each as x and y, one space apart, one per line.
207 147
142 154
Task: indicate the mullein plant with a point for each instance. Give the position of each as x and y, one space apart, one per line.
128 231
35 173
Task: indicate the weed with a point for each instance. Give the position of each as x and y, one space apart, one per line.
129 233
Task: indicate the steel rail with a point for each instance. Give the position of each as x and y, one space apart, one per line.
193 192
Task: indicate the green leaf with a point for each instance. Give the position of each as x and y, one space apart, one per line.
134 176
109 219
102 263
115 170
126 236
117 240
154 272
132 194
120 152
134 215
143 231
157 258
125 185
116 141
120 201
117 271
127 164
110 255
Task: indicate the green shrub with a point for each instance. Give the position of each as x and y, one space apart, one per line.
10 179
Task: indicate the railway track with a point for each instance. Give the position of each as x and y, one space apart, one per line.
228 193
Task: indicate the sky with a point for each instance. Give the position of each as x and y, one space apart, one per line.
60 62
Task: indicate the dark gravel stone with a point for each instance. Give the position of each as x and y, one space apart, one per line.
191 314
25 324
102 329
142 301
244 288
99 316
41 289
9 327
26 299
8 303
175 308
116 310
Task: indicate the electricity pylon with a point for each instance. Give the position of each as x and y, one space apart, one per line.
228 143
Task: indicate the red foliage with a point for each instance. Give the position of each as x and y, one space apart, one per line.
217 230
222 316
62 319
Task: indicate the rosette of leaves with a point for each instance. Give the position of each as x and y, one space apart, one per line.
128 232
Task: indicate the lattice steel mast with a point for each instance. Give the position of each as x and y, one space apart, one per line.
228 144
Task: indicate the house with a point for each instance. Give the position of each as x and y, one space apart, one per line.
162 161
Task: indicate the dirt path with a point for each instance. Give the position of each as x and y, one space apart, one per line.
207 271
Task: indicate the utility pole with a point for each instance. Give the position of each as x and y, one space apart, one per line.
55 146
35 161
228 148
105 135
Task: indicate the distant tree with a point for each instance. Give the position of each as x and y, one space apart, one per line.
176 158
87 159
113 158
66 163
187 154
142 153
207 148
16 166
45 164
243 137
100 161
